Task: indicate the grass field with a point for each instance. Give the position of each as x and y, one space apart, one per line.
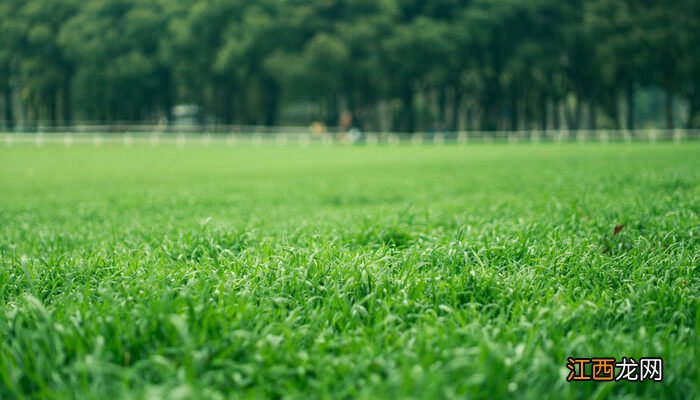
346 272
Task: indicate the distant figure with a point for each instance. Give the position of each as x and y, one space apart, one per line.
318 128
345 121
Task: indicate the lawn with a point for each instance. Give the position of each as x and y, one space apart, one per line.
412 271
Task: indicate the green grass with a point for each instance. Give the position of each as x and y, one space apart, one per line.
346 272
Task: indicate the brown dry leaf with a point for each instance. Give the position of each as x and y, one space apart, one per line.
618 229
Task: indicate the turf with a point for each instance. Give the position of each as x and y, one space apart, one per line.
346 272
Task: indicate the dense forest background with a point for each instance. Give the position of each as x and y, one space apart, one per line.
402 65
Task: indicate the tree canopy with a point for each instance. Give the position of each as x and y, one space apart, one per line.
401 65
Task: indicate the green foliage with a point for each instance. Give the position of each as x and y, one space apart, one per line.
115 46
346 272
411 65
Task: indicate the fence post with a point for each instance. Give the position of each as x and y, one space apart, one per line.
438 138
281 139
68 140
372 139
393 139
581 136
327 139
462 137
416 138
304 139
652 135
181 139
154 139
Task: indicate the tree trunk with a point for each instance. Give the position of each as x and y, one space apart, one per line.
514 115
592 115
668 106
226 101
615 110
332 113
528 111
407 119
53 109
469 123
693 105
573 118
543 112
66 106
456 106
442 106
556 117
491 115
270 102
9 112
630 107
430 103
577 114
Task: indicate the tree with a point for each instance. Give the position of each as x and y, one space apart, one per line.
486 64
620 41
115 45
12 30
35 60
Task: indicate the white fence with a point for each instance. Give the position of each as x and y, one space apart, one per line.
302 136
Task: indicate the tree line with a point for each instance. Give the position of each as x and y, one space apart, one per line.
402 65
